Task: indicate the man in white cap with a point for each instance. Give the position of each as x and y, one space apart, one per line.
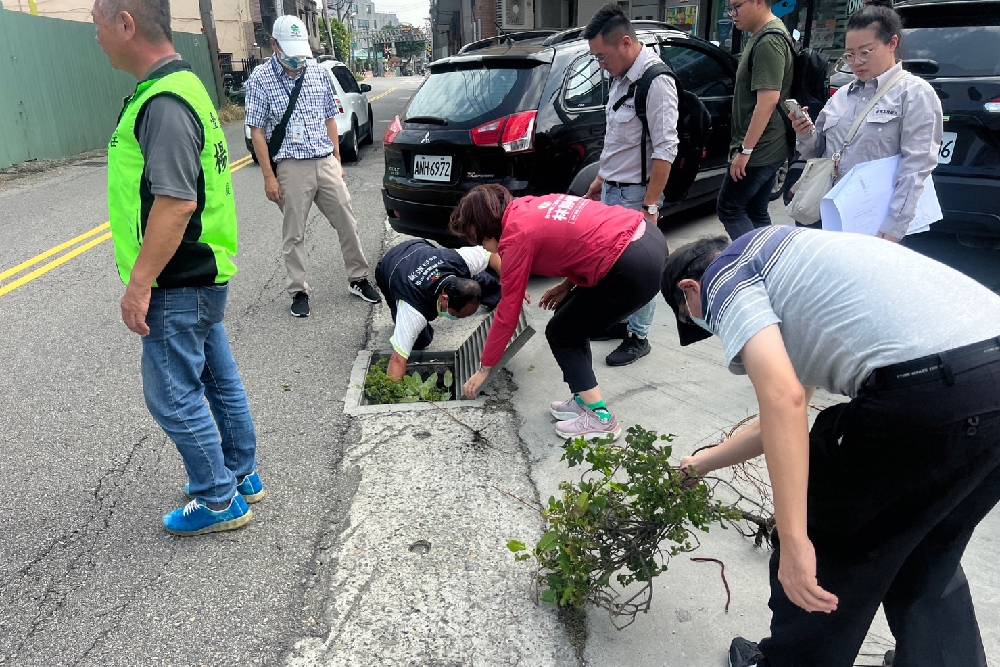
299 154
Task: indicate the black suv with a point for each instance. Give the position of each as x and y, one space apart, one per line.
527 111
955 46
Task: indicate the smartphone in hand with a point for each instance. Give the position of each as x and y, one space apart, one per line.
794 109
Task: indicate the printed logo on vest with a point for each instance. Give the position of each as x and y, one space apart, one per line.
221 157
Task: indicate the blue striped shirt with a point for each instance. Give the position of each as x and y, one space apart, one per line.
268 91
846 304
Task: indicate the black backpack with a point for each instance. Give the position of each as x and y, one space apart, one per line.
810 81
694 127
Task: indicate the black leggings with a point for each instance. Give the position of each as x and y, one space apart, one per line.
630 284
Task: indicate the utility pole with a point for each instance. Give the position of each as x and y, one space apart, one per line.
329 31
208 27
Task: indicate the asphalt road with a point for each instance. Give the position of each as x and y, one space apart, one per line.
87 575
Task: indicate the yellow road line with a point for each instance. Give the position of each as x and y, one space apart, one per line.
53 251
42 270
381 95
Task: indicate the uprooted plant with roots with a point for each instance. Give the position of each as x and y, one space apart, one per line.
630 513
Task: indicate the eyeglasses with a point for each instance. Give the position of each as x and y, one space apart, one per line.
859 58
734 9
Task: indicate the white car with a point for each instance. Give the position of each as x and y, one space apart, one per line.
355 124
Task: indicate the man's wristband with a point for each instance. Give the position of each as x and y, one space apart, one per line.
745 151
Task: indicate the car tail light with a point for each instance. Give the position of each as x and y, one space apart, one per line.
519 132
514 133
395 127
488 134
993 106
340 106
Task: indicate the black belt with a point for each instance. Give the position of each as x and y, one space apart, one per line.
943 366
616 184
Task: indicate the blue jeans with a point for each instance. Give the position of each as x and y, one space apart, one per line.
631 196
185 360
742 205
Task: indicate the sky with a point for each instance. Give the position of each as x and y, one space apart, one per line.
408 11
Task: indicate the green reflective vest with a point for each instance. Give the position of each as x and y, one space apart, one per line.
204 256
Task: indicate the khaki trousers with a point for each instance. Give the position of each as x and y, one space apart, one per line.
319 180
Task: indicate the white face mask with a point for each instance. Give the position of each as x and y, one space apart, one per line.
700 321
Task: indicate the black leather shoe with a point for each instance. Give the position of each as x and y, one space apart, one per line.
744 653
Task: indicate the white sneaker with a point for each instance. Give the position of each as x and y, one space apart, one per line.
589 427
563 410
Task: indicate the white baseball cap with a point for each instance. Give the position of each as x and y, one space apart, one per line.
292 36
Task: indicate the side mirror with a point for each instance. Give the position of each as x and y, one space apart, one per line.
365 88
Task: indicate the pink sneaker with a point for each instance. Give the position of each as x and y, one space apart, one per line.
563 410
589 427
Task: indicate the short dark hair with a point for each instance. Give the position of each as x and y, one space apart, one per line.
608 22
690 261
883 20
152 17
479 214
461 292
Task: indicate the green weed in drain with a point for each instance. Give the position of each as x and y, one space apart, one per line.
380 388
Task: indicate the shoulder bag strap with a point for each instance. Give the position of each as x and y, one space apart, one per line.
278 134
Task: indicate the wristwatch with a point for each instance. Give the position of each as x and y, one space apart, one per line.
652 209
744 150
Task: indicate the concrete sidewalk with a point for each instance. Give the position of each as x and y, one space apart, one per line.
690 393
428 477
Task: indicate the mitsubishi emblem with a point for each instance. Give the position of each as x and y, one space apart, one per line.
426 139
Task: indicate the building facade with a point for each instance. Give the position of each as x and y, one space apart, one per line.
820 24
234 23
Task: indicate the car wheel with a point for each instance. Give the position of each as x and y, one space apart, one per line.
370 134
350 147
779 182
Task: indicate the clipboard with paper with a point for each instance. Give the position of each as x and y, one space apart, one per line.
859 202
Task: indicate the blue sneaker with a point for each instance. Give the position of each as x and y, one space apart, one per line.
197 519
251 488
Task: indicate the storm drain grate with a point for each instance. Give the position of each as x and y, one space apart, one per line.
469 355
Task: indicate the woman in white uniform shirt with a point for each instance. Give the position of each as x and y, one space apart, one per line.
907 121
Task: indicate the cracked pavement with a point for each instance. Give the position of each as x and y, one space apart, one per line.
382 539
88 575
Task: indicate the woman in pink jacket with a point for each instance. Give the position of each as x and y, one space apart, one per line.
611 262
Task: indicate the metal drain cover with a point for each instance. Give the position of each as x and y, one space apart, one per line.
469 355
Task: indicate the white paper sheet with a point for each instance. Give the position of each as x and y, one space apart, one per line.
859 202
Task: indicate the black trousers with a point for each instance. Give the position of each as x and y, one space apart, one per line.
898 481
630 284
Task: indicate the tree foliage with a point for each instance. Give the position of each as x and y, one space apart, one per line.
620 524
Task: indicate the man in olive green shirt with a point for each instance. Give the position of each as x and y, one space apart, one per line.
759 146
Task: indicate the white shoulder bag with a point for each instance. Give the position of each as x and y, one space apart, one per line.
822 173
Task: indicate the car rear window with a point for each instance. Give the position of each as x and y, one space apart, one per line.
963 41
471 95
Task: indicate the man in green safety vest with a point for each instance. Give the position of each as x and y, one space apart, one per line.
173 221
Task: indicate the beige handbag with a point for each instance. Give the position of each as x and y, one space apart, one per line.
822 173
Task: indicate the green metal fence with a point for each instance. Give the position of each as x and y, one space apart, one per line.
58 94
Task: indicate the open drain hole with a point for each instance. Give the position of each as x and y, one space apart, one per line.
420 547
424 364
